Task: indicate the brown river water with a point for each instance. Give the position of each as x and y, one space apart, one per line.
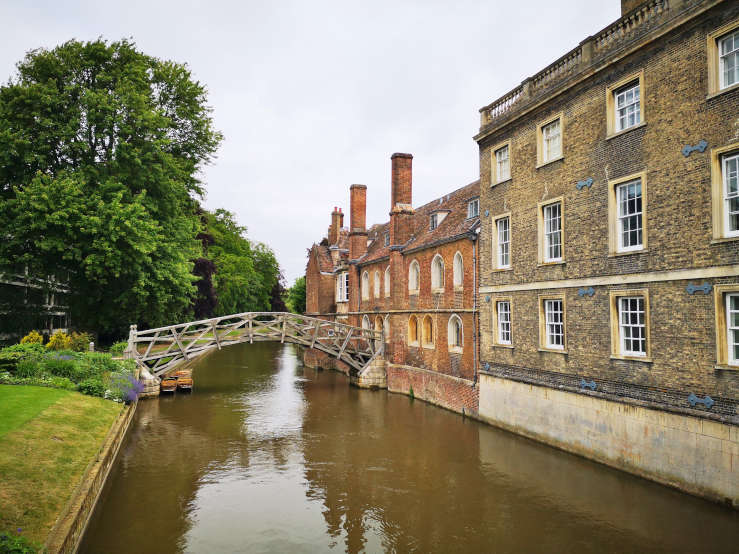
268 456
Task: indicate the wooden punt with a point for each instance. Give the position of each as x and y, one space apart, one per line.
184 379
168 384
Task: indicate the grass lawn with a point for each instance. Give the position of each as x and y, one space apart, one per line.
47 439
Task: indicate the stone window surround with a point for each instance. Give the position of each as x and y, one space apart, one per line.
717 192
616 353
540 230
540 161
427 332
494 240
494 179
613 227
453 347
611 90
437 285
412 330
714 80
411 270
542 323
494 302
722 346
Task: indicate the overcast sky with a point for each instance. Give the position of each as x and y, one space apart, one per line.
312 96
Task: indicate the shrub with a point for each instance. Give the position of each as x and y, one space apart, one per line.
124 387
92 386
80 342
118 348
59 341
97 363
34 337
15 543
28 368
11 355
63 365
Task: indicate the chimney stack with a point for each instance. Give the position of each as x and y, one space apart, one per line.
337 220
358 222
401 202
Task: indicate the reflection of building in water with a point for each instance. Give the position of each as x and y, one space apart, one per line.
28 302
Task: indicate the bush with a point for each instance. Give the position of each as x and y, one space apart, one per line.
97 363
28 368
59 341
63 365
11 355
118 348
80 342
92 386
38 380
15 543
34 337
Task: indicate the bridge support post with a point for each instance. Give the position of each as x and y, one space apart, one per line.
374 376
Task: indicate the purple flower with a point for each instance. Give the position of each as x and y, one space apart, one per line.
19 530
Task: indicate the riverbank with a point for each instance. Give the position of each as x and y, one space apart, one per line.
48 437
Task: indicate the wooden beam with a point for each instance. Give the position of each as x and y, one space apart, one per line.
215 334
346 341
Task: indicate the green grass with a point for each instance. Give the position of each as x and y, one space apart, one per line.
44 453
20 404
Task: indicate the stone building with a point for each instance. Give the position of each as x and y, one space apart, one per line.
609 248
413 277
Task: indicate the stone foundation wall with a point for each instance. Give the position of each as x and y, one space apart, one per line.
689 453
452 393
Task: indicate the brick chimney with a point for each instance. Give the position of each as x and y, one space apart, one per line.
358 221
337 222
628 5
401 201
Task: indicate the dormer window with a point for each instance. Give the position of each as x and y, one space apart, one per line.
473 208
433 221
387 238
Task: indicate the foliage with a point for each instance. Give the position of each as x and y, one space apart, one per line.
16 543
12 355
296 296
34 337
118 348
92 386
100 155
277 295
59 341
39 380
80 342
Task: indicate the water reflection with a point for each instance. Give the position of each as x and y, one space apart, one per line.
267 457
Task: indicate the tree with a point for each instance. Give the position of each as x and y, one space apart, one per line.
100 152
296 296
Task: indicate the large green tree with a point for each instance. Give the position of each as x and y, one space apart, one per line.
296 296
101 147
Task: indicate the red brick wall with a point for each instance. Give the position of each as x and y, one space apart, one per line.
442 390
319 289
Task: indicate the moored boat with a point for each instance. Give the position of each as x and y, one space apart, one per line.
168 384
184 379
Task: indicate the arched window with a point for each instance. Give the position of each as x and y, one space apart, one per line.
387 281
365 285
458 270
377 284
366 322
386 328
414 277
437 273
455 332
413 330
428 331
378 328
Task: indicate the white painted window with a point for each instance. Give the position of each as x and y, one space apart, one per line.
504 322
414 276
632 326
458 270
473 208
376 284
630 224
732 327
628 106
387 238
551 141
437 272
503 166
553 232
387 281
730 174
504 242
728 47
433 221
554 324
342 287
455 332
365 286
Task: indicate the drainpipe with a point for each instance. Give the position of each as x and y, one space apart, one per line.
474 307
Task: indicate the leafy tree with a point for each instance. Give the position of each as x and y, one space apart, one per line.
100 152
296 296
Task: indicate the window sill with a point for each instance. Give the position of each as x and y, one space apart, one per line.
722 240
458 288
437 291
498 269
455 349
413 345
714 94
623 132
627 253
645 359
508 346
413 292
727 367
542 164
546 264
429 346
501 182
552 350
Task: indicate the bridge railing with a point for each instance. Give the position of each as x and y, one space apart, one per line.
161 349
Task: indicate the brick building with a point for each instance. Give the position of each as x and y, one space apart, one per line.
413 277
609 248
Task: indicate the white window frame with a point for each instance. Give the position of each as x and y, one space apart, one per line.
549 232
547 140
473 208
387 281
726 196
632 108
627 327
342 287
437 273
433 221
731 330
414 277
503 318
458 270
502 164
386 238
624 218
454 319
503 242
724 56
550 323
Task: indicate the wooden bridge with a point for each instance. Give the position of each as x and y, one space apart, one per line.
160 350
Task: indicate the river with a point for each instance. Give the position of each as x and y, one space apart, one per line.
268 456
